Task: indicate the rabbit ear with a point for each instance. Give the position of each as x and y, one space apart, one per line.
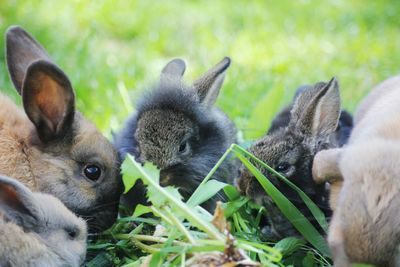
326 166
316 110
48 100
17 202
173 71
210 83
21 50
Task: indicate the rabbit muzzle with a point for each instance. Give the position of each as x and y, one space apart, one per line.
100 217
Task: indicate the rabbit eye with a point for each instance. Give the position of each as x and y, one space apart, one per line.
92 172
283 167
72 232
183 147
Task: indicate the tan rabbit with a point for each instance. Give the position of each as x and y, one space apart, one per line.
51 147
37 229
366 227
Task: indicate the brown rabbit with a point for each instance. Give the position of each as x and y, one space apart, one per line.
366 227
51 147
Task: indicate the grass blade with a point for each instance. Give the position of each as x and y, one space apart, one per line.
301 223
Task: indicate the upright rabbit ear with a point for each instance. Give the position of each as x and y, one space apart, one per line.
316 110
21 50
48 100
17 202
210 83
173 71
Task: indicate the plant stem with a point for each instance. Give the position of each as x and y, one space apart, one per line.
177 222
159 213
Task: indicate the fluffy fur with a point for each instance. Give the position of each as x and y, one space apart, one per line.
297 133
50 146
37 229
365 227
177 128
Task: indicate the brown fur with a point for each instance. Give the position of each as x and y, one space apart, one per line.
51 145
365 226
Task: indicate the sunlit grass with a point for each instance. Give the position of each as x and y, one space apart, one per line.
274 45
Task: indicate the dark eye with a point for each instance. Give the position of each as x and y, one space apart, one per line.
72 232
283 167
183 147
92 172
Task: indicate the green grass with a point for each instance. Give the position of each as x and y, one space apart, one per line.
107 45
111 47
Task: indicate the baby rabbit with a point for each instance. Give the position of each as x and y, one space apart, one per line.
177 128
365 227
37 229
289 147
51 147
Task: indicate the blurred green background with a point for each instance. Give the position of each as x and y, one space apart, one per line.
114 50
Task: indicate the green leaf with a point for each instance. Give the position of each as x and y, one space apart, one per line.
233 206
157 259
309 260
289 245
160 195
158 199
301 223
140 210
131 174
205 192
231 192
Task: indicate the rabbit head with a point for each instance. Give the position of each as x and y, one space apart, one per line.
38 229
290 151
178 129
64 154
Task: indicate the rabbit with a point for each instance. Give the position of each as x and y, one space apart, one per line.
50 147
289 147
178 129
36 229
365 226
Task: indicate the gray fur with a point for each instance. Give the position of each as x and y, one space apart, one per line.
309 125
174 117
37 229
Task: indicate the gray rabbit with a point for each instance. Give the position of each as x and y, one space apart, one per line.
37 229
178 128
312 123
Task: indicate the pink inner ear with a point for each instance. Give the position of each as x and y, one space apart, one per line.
9 195
51 101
